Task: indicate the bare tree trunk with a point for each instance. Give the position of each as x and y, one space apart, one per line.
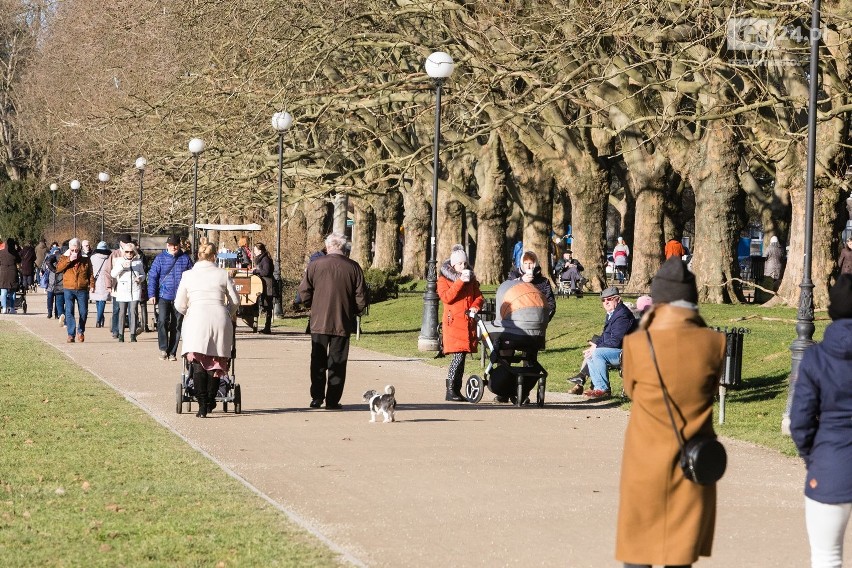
491 214
586 184
449 225
362 232
416 225
341 213
317 222
534 195
713 177
387 209
828 212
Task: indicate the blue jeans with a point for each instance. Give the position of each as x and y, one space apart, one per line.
7 295
100 305
114 326
81 297
599 363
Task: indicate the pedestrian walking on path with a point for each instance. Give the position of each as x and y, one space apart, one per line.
163 281
334 288
129 275
208 300
663 518
821 426
77 280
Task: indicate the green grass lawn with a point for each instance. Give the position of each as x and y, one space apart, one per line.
752 411
87 479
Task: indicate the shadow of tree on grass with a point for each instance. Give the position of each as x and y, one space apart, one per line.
767 387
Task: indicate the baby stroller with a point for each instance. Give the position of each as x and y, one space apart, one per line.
20 305
229 388
512 368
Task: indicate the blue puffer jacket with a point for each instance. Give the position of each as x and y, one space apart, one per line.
821 417
165 273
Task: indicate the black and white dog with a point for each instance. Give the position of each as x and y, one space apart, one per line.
381 403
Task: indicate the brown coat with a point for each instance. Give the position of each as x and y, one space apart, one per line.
77 274
334 288
663 518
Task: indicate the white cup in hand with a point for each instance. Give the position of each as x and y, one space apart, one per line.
465 275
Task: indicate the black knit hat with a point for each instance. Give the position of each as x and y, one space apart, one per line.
840 298
674 282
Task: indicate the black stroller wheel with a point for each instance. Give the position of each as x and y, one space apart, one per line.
238 400
179 398
474 388
539 399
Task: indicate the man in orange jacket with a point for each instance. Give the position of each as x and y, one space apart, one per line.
77 280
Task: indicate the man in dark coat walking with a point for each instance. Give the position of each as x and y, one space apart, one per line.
334 288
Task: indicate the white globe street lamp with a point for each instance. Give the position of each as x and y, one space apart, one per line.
75 187
103 177
196 146
53 188
439 66
140 165
281 122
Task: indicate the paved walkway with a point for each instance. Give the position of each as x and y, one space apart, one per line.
448 485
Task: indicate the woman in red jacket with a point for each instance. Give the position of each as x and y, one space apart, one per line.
459 291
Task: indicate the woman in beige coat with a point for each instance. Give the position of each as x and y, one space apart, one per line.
209 301
664 518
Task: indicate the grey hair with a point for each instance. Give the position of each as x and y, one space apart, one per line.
74 241
335 242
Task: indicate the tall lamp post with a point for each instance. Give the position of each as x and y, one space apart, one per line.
103 177
196 146
805 319
53 188
140 165
439 66
75 187
281 122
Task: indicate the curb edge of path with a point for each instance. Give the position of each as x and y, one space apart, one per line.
291 515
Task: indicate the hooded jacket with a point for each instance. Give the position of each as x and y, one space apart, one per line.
821 415
458 297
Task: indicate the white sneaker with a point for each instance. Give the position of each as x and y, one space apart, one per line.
62 319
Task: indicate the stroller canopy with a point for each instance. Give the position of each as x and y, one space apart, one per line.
521 309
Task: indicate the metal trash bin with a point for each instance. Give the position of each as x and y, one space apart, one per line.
733 370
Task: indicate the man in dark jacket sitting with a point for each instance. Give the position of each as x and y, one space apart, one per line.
605 350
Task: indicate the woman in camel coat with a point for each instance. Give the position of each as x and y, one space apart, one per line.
663 518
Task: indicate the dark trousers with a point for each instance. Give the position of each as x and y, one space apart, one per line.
329 354
169 321
205 384
55 303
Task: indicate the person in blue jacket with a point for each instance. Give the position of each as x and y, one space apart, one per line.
821 427
604 350
163 281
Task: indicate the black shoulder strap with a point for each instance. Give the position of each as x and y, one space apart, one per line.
665 392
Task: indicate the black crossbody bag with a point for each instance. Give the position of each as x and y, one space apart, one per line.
702 458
